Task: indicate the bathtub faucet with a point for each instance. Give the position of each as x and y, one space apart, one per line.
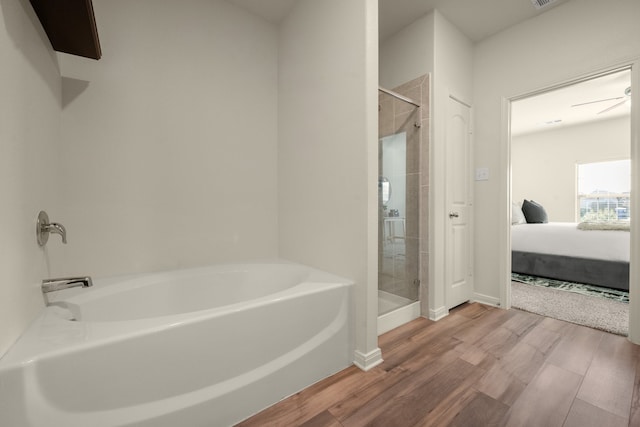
44 227
54 227
51 285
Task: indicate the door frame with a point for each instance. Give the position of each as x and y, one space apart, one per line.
505 211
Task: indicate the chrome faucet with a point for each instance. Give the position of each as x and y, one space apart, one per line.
51 285
54 227
44 227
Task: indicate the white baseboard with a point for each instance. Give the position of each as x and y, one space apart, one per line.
369 360
486 299
438 313
398 317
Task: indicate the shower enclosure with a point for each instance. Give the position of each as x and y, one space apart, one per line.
399 182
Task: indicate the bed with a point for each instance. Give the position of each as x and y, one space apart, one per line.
562 251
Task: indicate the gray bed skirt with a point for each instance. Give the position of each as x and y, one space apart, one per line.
611 274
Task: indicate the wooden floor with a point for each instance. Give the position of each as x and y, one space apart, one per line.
479 366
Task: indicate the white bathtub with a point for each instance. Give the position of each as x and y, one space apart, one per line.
200 347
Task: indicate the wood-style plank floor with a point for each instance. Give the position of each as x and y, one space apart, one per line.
479 366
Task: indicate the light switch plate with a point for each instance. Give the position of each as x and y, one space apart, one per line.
482 174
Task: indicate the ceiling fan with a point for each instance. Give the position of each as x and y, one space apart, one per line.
626 98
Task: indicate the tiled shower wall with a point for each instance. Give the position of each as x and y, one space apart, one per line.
397 116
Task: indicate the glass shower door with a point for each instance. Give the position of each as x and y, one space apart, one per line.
398 202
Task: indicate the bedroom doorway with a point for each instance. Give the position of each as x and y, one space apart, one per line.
569 232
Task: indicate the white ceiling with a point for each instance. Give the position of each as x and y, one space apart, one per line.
542 112
477 20
273 11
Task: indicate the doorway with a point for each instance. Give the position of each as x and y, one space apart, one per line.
555 134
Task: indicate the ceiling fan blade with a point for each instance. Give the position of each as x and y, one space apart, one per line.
613 106
600 100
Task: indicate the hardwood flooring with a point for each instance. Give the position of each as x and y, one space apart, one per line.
480 366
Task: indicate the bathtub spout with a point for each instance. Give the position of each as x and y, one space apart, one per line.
51 285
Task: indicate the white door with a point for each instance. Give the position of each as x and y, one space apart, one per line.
459 272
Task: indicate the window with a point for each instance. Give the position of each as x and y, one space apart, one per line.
604 190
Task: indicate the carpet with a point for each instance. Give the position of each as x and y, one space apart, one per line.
593 311
578 288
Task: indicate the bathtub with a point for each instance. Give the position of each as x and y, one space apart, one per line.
199 347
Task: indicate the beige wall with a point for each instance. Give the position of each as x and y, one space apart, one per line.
407 54
571 40
169 142
543 164
327 155
29 178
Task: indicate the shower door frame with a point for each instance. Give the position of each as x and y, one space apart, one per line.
411 310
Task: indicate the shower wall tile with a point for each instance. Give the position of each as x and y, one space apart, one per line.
424 283
424 215
415 93
413 141
410 85
425 99
412 203
425 144
417 224
386 116
400 271
425 138
412 263
402 121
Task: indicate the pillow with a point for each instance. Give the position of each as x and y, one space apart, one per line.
517 217
534 212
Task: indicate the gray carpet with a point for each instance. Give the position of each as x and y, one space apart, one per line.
607 315
579 288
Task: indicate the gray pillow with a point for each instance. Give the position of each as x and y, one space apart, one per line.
534 212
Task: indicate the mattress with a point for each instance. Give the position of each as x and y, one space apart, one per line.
562 251
565 239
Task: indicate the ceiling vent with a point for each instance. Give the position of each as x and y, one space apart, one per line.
539 4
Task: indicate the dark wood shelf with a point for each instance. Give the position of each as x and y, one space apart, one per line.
70 26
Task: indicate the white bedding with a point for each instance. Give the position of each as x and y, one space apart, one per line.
564 238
